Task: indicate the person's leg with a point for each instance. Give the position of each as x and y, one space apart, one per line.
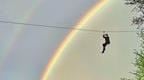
104 45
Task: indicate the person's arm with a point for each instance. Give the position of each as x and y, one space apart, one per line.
107 35
104 35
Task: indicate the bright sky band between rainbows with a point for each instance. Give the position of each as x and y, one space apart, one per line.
57 54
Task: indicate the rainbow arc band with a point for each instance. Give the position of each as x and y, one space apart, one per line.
69 37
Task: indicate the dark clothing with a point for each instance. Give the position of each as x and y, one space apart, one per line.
106 37
107 41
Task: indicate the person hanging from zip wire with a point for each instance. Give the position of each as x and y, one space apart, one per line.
107 41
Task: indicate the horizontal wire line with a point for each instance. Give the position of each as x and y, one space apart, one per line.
80 29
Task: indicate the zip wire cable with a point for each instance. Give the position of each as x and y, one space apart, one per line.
81 29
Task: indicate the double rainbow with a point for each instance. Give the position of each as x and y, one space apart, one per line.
69 37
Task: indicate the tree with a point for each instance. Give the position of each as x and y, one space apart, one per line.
139 60
138 8
138 20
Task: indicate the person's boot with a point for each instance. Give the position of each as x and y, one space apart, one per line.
103 50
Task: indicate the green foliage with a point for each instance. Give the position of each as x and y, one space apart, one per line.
138 19
139 60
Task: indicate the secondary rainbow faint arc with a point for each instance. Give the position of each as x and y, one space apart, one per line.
70 36
18 30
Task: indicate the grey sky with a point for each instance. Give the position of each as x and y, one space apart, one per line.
84 50
25 50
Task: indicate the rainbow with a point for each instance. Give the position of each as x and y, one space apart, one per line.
18 29
69 37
